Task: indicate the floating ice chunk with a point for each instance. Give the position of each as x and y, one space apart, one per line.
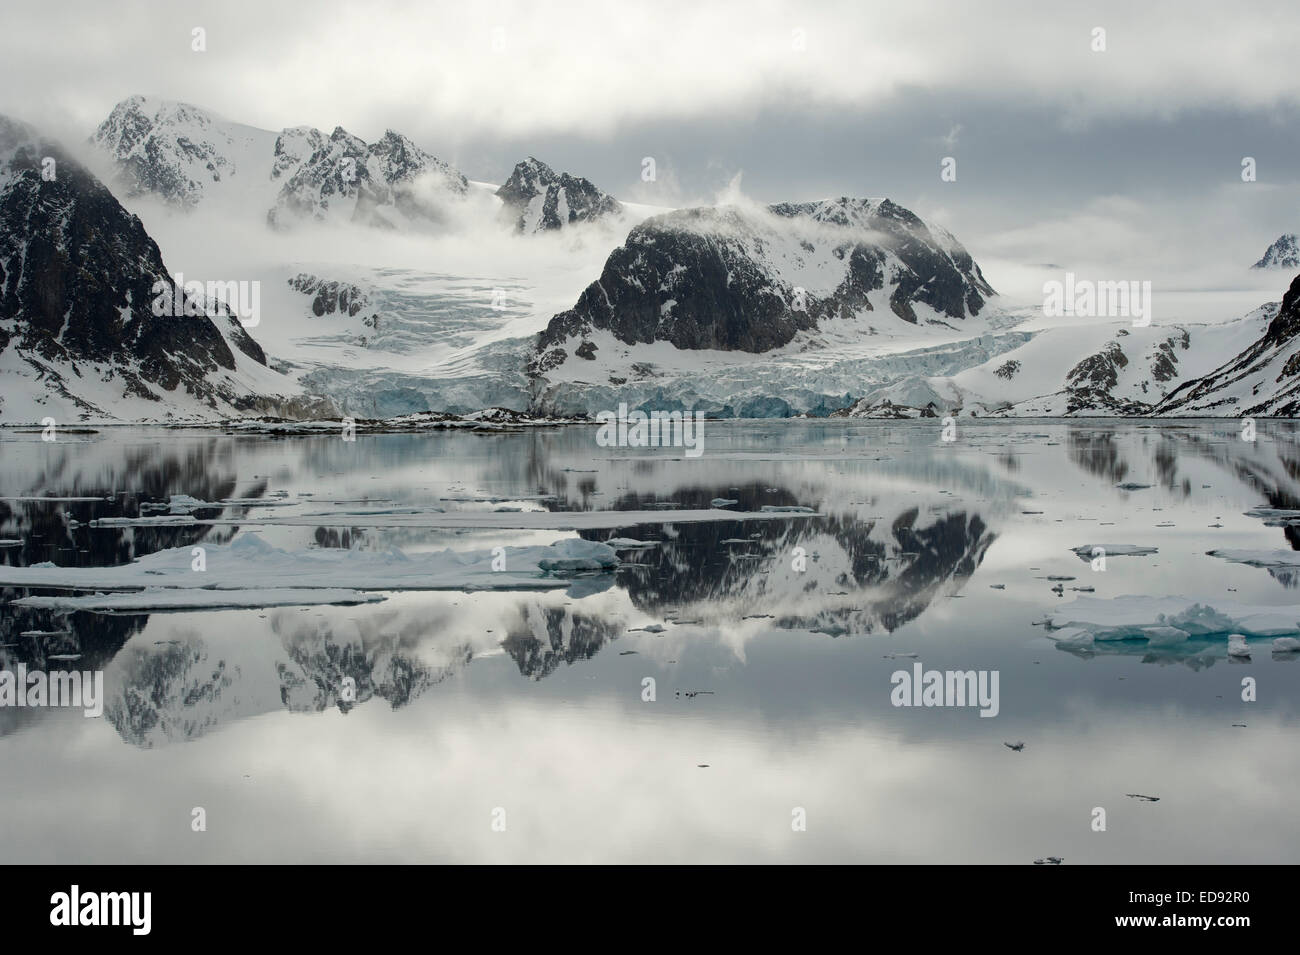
577 556
156 599
249 563
429 516
1237 646
1286 645
33 499
1164 636
1259 558
722 502
184 504
1072 637
1275 516
628 543
1130 617
164 520
1085 551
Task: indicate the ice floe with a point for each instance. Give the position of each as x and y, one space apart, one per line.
1159 620
1275 516
1259 558
253 566
628 543
433 517
155 599
185 504
1087 552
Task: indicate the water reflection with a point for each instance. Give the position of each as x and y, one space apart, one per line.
786 628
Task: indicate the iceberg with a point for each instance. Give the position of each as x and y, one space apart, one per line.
1085 551
1155 619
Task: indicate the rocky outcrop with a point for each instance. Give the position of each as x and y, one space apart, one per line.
79 284
175 151
1262 380
750 280
1282 254
538 199
380 184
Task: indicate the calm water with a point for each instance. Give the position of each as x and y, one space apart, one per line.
525 709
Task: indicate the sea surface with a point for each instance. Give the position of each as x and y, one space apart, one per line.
727 694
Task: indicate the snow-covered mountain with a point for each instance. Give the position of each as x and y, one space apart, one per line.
1262 379
178 152
1106 370
1282 254
478 296
188 156
536 198
389 183
777 280
80 333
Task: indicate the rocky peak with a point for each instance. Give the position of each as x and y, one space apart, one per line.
751 278
342 175
536 198
78 283
1282 254
176 151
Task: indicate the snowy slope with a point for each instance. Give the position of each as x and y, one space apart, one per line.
180 153
391 284
1262 379
189 157
693 300
79 336
391 183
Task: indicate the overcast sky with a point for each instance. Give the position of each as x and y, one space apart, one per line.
1062 151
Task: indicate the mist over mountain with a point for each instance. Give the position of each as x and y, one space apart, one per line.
546 294
80 331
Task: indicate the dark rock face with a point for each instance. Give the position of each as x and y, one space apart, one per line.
1263 380
319 171
1164 364
1282 254
77 278
724 278
329 297
538 199
1099 371
1091 384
